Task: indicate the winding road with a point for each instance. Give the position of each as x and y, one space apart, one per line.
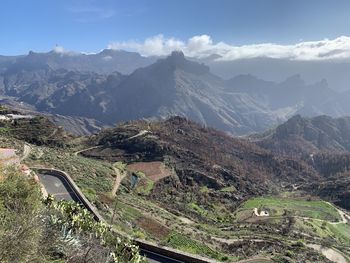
58 187
62 189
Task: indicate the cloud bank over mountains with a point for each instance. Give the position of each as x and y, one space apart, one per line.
202 46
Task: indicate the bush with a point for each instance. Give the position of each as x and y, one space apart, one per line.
20 210
33 232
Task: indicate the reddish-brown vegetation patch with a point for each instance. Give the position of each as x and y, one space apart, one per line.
106 199
153 170
153 227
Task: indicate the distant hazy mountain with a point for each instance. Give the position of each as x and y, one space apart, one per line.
176 86
6 61
106 61
334 71
170 86
58 91
125 62
293 93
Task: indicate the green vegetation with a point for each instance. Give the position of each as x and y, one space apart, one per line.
181 242
341 232
204 189
140 174
120 165
4 130
38 130
89 174
215 213
146 187
72 217
198 209
90 194
332 232
228 189
295 207
128 212
196 217
46 231
20 208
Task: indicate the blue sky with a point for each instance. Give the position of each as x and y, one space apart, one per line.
91 25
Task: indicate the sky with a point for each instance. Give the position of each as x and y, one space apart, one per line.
231 28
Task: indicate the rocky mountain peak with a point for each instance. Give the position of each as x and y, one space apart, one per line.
177 60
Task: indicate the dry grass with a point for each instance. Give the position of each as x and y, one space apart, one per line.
153 170
153 227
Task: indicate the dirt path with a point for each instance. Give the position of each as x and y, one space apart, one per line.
329 253
186 220
118 179
345 217
141 133
53 133
87 149
230 241
26 151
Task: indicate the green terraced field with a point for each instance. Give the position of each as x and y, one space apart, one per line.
295 207
339 232
179 241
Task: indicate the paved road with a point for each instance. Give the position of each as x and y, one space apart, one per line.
156 258
61 190
58 187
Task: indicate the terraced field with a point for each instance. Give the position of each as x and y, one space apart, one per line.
179 241
278 207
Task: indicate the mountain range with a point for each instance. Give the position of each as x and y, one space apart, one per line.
177 168
104 62
84 86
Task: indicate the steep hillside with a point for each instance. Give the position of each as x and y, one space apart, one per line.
197 189
37 130
176 86
321 142
224 184
305 136
200 157
60 91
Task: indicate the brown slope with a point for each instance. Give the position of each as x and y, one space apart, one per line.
301 136
201 157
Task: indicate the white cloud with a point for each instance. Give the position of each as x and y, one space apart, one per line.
154 46
203 46
58 49
61 50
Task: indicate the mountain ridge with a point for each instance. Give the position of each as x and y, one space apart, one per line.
306 136
171 86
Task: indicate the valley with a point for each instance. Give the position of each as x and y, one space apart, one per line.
157 186
155 131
